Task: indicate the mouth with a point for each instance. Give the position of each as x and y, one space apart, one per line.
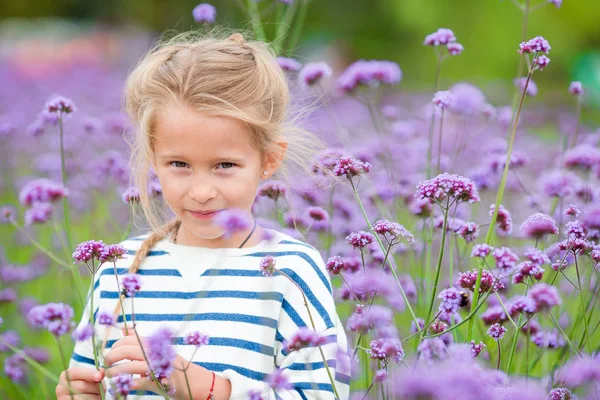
204 214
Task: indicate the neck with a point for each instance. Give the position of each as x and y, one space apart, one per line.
187 238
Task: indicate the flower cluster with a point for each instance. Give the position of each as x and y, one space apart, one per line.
385 349
131 195
525 269
204 13
56 317
481 250
349 167
161 353
496 331
444 186
41 191
313 73
232 221
488 282
132 283
503 219
392 230
505 259
476 348
360 239
60 105
267 265
304 337
289 64
469 231
196 339
369 74
273 190
442 99
444 37
451 299
539 225
544 296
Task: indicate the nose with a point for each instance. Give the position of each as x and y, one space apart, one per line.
203 189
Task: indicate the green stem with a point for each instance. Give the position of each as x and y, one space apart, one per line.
295 36
39 367
150 370
439 265
499 198
283 25
65 365
255 19
93 322
64 182
582 306
392 269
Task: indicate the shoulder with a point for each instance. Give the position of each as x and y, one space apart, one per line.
300 258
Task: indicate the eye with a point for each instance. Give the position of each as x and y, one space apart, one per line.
227 165
178 164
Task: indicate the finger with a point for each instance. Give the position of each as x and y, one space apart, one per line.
131 367
131 339
82 373
78 387
132 353
145 383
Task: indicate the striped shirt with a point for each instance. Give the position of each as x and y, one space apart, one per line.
248 316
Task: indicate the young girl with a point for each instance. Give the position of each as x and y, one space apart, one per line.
212 118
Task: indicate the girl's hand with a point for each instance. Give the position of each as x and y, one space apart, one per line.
84 382
128 348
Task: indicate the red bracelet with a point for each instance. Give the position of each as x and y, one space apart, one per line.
210 393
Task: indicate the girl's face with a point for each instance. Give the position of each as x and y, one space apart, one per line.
206 164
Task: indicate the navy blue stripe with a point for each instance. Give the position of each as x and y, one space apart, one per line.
82 359
250 319
220 341
287 307
301 394
143 272
345 379
292 274
143 393
311 366
298 244
203 294
151 253
313 386
300 254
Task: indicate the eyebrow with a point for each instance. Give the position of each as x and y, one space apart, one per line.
233 159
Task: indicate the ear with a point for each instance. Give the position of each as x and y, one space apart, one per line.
273 160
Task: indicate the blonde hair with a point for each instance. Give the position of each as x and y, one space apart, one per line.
219 74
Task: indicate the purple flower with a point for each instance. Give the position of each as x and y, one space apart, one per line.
525 269
469 231
60 105
196 339
56 317
496 331
88 251
112 253
161 353
374 317
442 99
122 385
84 333
557 3
544 296
39 213
132 283
583 156
535 45
432 350
576 88
232 221
9 338
392 230
454 48
335 265
521 304
505 258
560 393
451 300
548 339
579 371
8 295
532 89
14 367
254 394
204 13
559 183
277 380
131 195
380 376
441 37
41 191
542 62
304 337
576 229
476 348
372 73
488 282
349 167
289 64
273 190
313 73
267 265
503 219
317 214
481 250
573 211
105 318
360 239
445 185
7 214
385 349
438 326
